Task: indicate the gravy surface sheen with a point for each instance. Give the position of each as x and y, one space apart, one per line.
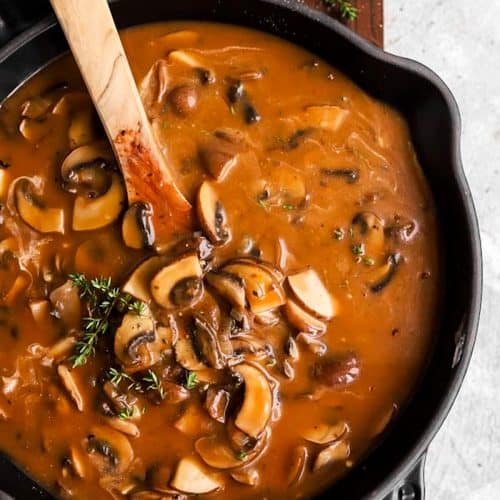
317 187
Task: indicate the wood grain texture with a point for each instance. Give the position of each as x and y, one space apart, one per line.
370 21
98 51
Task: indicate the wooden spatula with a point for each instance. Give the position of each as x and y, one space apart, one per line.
98 51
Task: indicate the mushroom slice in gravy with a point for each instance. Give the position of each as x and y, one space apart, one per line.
191 477
211 214
382 276
325 433
263 290
336 452
219 454
33 210
109 450
137 227
179 284
312 294
298 464
137 346
230 286
87 170
255 411
139 282
69 381
94 213
301 319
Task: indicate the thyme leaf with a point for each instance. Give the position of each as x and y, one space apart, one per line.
345 7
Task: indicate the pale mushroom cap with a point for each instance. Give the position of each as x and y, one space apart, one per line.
191 477
311 293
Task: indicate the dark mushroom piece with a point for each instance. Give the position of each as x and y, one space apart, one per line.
109 450
137 346
385 273
368 228
216 403
206 344
337 372
212 215
229 286
137 227
195 243
350 175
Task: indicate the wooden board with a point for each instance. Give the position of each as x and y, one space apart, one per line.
369 23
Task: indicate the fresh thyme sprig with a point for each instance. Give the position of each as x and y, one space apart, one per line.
191 380
154 383
345 7
103 299
116 376
128 412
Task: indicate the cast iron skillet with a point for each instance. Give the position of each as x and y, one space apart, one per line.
394 469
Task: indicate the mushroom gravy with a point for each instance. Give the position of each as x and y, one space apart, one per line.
259 357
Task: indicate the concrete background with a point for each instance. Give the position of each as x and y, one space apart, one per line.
460 40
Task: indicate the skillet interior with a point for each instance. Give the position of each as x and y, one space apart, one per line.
434 121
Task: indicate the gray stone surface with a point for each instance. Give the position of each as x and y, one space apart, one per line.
460 40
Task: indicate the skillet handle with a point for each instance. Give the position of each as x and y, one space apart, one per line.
17 15
413 487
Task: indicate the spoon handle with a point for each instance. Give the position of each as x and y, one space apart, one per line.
98 51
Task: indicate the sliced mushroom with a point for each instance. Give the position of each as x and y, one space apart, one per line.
137 227
206 344
326 117
219 155
119 400
33 210
179 284
78 461
263 291
69 381
61 349
185 353
138 283
185 57
154 88
299 457
66 302
336 452
18 288
81 130
137 346
382 276
86 170
325 433
256 409
191 477
37 106
218 454
315 345
229 286
368 229
302 320
34 130
125 426
72 101
312 294
94 213
212 215
337 372
216 403
109 450
246 476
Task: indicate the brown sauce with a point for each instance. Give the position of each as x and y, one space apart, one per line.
301 354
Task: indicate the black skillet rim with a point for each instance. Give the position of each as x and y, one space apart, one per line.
418 450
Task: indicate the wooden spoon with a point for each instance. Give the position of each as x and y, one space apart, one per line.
99 53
